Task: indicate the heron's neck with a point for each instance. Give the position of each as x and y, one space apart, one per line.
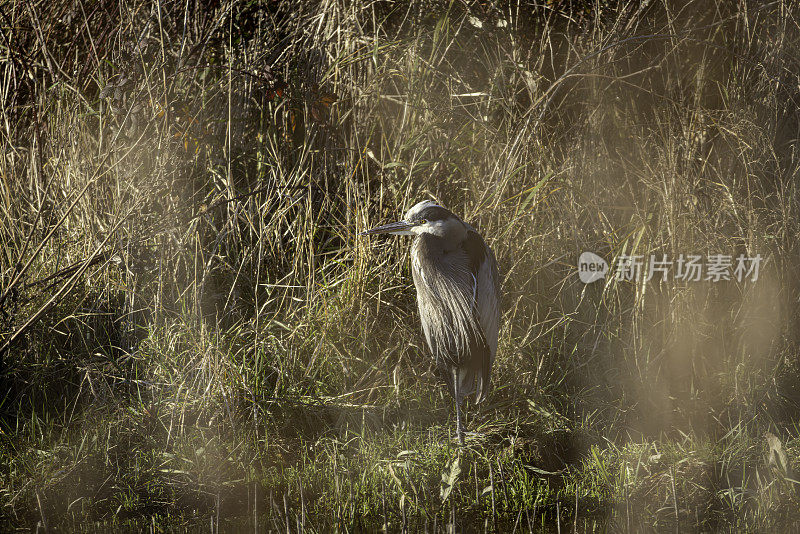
435 244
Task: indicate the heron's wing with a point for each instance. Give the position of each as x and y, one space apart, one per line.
485 302
486 289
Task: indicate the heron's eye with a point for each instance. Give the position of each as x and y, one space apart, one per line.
422 221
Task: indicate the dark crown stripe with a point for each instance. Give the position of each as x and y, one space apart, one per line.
434 213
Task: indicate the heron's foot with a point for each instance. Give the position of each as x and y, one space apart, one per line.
457 437
468 437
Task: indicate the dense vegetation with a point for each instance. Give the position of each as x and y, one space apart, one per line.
192 334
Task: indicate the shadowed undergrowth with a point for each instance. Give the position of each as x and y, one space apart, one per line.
193 335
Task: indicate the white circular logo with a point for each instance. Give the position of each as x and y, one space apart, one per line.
591 267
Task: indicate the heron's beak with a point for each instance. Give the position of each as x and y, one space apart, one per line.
395 228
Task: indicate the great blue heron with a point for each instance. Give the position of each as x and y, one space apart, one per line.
458 291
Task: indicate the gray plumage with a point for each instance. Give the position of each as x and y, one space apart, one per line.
458 294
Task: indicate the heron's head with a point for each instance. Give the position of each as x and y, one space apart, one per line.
426 217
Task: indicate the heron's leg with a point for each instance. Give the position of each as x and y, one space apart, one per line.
459 429
457 396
